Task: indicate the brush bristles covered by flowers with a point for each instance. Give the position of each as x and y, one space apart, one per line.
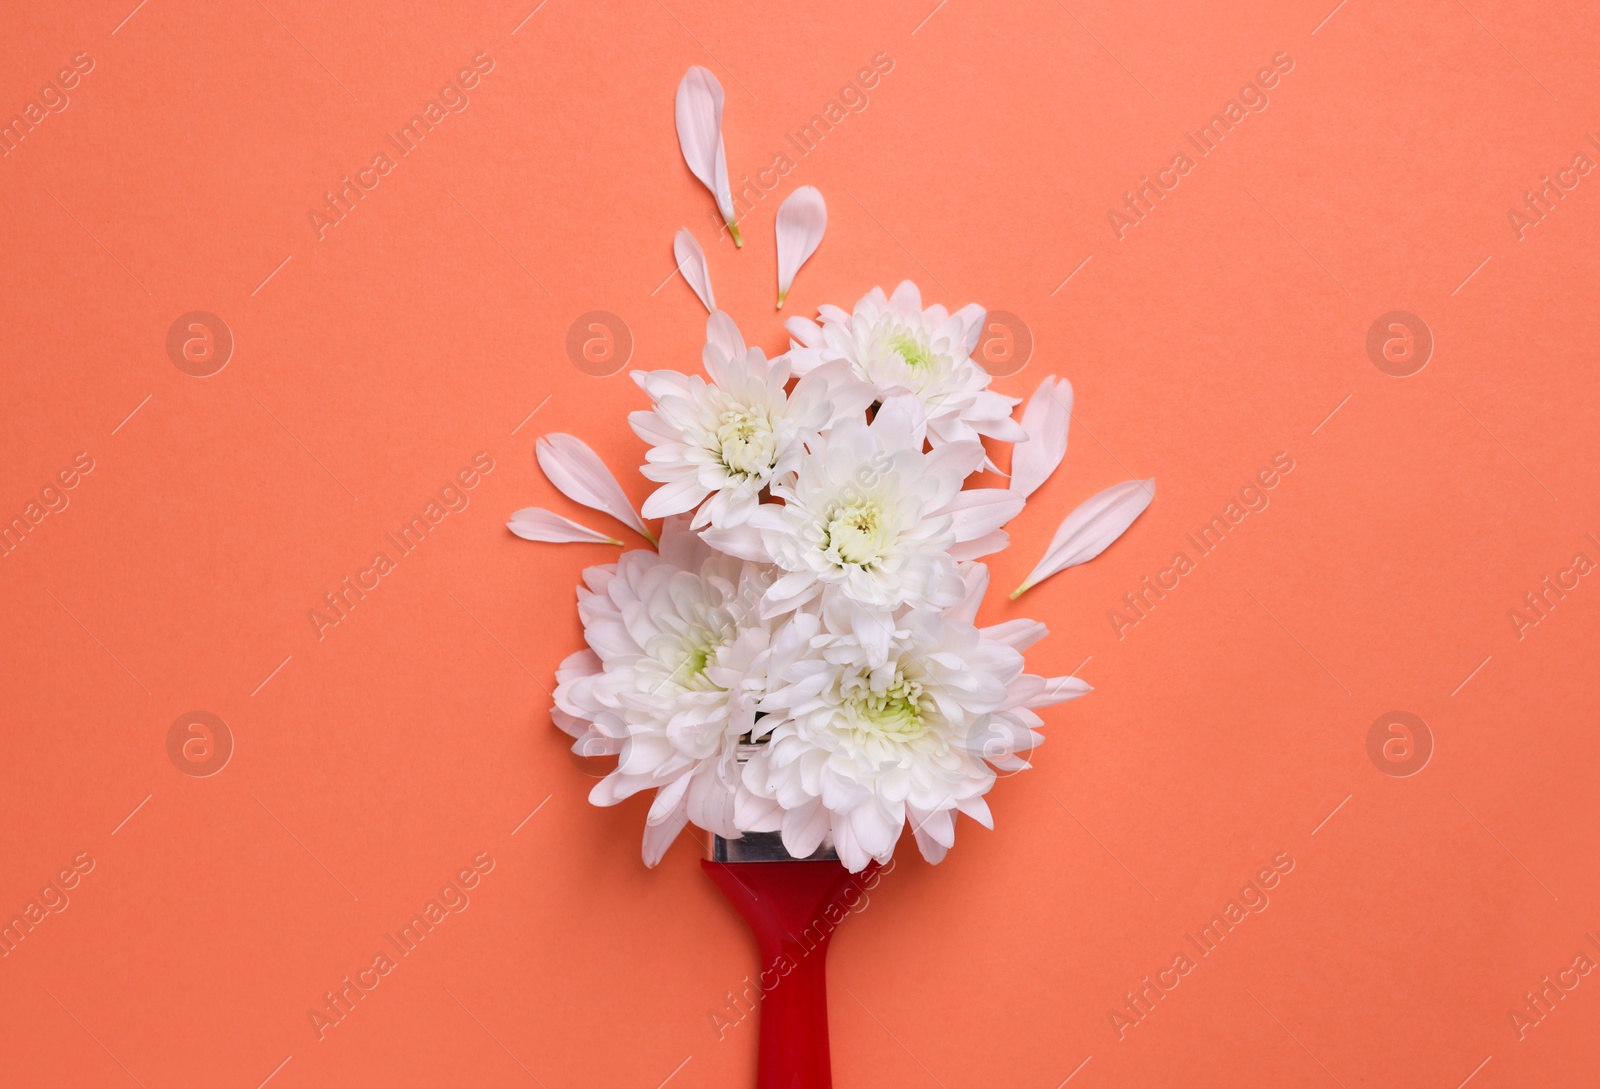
801 654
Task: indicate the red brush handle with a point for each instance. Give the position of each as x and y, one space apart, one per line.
793 909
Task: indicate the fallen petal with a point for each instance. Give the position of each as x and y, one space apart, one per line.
698 111
1088 530
580 475
538 524
692 263
1046 420
802 219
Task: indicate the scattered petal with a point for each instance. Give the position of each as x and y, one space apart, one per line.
1046 420
538 524
802 218
1088 530
692 263
580 475
698 109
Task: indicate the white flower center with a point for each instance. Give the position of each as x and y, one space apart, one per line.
891 710
857 533
748 446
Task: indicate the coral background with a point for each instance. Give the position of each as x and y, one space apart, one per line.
374 760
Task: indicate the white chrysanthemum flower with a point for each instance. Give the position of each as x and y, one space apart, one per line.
670 681
897 346
717 446
864 733
871 515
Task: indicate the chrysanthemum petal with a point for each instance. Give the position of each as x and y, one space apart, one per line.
725 336
981 511
538 524
1088 531
804 828
1059 690
1018 634
1046 420
658 837
692 263
802 219
698 112
581 476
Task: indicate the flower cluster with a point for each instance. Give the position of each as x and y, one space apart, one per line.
800 653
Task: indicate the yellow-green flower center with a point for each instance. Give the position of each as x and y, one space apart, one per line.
912 350
691 672
857 533
892 712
